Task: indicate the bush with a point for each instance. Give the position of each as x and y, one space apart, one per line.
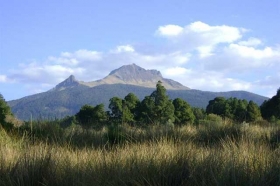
116 134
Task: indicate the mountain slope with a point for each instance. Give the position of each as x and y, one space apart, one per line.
57 104
138 76
68 96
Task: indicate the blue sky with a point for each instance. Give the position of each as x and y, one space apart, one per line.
217 45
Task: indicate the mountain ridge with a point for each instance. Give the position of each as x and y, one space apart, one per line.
67 97
127 74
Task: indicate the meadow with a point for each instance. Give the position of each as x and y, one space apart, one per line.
216 154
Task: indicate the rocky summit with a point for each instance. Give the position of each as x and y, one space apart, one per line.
138 76
70 82
127 74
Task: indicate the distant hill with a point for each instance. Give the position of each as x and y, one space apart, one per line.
68 96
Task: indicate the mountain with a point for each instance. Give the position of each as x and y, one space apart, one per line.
68 96
129 75
70 82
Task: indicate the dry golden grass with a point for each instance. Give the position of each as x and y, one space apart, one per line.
156 155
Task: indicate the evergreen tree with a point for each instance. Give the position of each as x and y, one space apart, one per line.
147 108
116 107
5 111
183 112
241 111
157 108
218 106
132 103
271 107
164 109
85 115
127 115
89 116
253 112
233 105
199 114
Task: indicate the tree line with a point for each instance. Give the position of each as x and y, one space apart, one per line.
157 108
153 109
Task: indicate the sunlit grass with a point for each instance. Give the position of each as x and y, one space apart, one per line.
156 155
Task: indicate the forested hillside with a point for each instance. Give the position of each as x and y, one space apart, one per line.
57 104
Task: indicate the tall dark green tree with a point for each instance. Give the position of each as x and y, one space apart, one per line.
90 116
241 111
147 110
127 115
122 110
183 112
164 109
157 108
218 106
85 115
116 107
233 108
132 103
233 105
253 112
5 111
271 107
199 114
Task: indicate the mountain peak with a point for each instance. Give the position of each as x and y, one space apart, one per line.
134 72
135 75
67 83
128 74
71 79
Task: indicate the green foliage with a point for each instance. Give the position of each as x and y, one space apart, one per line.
89 116
163 107
271 107
241 111
115 134
124 111
132 102
131 105
147 109
235 109
5 112
217 106
157 108
58 104
253 112
212 121
183 112
116 107
199 114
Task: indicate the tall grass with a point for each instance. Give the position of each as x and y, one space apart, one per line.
155 155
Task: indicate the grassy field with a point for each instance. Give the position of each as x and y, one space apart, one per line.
154 155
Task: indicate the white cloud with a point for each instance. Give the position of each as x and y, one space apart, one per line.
84 55
251 52
175 71
237 58
206 80
169 30
199 55
251 42
215 34
205 51
200 36
124 48
3 78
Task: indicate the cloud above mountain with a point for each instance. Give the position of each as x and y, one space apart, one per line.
198 55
